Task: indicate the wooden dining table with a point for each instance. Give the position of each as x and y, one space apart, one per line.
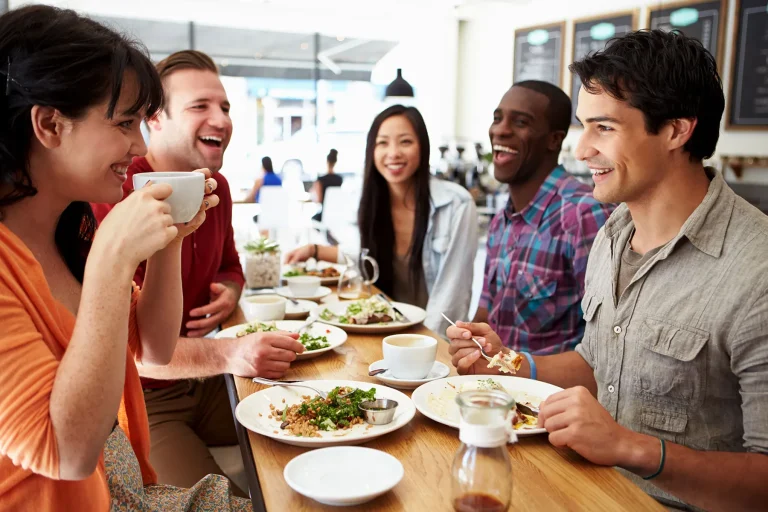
544 478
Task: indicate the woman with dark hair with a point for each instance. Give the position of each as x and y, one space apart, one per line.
74 432
421 230
269 179
330 179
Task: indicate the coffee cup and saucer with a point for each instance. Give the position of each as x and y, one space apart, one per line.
410 361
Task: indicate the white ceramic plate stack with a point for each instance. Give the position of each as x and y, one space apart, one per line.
437 399
415 315
438 371
343 475
336 337
253 414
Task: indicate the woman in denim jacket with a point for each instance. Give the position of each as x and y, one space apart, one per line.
420 230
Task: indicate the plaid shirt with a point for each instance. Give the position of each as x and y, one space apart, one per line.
534 271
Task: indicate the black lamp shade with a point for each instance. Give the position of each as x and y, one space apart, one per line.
399 87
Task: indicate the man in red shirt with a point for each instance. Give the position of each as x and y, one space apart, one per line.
187 416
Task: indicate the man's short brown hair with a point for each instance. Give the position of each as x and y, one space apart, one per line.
185 59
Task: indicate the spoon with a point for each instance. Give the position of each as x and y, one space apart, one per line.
306 324
482 350
374 373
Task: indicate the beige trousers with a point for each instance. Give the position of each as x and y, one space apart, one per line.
184 420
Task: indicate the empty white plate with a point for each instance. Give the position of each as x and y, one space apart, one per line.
438 371
343 475
321 292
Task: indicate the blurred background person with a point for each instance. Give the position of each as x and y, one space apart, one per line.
268 179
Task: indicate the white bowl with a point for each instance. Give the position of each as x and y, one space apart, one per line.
188 191
303 286
264 307
343 475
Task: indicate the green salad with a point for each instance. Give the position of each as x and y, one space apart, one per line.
313 342
310 342
336 411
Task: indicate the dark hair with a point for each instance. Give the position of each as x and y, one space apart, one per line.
377 232
333 156
57 58
266 163
185 59
559 109
665 75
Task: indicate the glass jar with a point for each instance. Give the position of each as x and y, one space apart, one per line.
355 282
481 471
262 264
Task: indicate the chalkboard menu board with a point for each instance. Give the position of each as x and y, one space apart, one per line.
749 81
539 53
704 21
591 35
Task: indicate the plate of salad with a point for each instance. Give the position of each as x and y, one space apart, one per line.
299 417
317 338
370 316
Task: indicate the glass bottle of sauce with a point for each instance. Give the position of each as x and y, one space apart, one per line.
481 471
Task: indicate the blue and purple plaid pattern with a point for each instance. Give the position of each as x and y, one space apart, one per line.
534 271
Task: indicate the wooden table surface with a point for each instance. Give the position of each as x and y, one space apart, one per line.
544 478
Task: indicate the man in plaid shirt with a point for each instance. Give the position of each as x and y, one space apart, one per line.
539 244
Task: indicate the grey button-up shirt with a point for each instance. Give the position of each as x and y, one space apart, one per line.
684 354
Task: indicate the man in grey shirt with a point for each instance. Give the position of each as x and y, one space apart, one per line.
676 301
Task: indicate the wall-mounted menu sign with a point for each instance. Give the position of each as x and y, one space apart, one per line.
591 35
749 82
704 21
539 54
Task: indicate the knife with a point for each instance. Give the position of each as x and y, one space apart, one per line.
397 311
526 409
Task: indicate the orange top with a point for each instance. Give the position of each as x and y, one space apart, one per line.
35 332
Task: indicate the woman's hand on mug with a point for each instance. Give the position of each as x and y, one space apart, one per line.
209 201
138 226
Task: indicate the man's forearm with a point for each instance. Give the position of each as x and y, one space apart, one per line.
709 480
194 358
566 370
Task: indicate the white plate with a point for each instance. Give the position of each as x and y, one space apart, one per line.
437 399
328 281
253 411
336 337
321 292
438 371
415 314
343 475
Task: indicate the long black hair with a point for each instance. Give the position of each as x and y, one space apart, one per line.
377 232
266 163
57 58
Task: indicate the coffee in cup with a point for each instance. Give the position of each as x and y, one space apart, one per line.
264 308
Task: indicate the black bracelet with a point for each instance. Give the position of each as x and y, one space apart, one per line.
315 255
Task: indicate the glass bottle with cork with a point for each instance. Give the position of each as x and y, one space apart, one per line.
481 471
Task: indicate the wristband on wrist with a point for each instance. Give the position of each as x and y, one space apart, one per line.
315 251
661 462
531 363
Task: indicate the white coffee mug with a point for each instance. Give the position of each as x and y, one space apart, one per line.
303 286
409 356
188 190
264 308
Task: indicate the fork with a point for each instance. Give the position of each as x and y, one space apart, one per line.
480 345
289 384
399 313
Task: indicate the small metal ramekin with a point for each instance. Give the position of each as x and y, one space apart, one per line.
378 412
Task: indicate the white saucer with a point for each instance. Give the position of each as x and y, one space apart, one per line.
300 311
438 371
321 292
343 476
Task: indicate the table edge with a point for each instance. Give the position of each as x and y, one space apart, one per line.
246 453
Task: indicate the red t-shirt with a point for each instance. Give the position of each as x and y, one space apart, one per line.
208 255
